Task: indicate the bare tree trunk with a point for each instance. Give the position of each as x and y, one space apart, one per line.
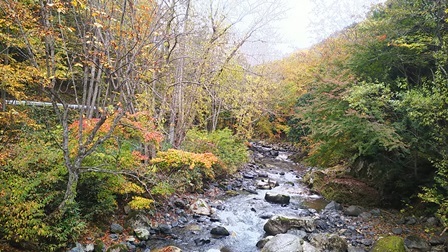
176 129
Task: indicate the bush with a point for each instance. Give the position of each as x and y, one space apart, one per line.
32 184
230 150
183 170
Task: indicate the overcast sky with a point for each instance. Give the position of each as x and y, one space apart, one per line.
306 22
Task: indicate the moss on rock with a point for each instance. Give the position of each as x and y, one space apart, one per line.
389 244
342 188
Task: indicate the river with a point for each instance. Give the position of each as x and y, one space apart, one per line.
245 214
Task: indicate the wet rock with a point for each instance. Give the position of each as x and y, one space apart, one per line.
142 233
266 184
116 228
220 231
273 153
201 207
260 244
283 243
389 244
248 175
200 242
266 216
353 211
414 243
333 206
281 224
328 242
277 198
214 218
251 190
263 175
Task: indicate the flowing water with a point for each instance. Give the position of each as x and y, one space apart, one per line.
244 215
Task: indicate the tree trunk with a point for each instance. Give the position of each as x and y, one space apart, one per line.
70 192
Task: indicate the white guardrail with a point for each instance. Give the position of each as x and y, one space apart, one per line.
45 104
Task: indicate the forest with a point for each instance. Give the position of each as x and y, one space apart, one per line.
141 100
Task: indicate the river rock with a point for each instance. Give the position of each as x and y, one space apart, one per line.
397 230
77 248
168 249
219 231
414 243
389 244
266 184
164 228
262 175
140 220
118 248
328 242
142 233
283 243
333 206
260 244
307 247
277 198
248 175
116 228
281 224
353 211
432 222
201 207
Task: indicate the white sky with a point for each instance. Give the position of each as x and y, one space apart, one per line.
308 21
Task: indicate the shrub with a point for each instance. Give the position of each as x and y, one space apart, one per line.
230 150
186 169
31 186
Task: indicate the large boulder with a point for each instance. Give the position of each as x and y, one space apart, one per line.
341 188
277 198
328 242
283 243
281 224
389 244
414 243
